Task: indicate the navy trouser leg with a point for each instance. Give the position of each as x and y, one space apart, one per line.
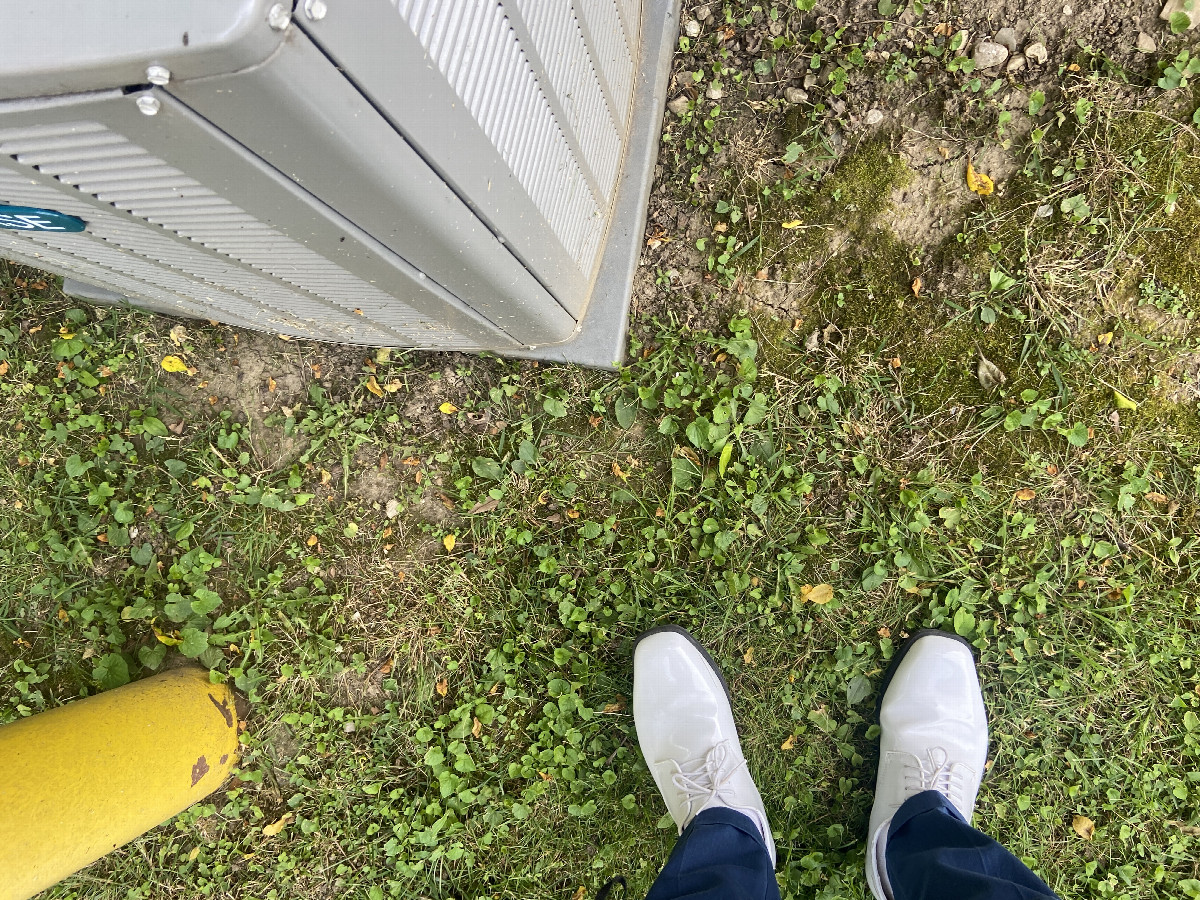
720 856
933 854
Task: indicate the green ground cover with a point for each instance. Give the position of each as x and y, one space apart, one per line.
430 593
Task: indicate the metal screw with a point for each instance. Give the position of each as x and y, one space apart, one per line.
279 17
315 9
148 105
159 75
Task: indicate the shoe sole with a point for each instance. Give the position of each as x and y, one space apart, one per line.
894 664
687 635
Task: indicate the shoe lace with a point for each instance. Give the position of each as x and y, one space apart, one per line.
936 773
706 781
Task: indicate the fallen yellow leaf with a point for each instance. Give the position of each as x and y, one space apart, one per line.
1025 494
619 472
1156 497
794 223
4 367
1084 827
270 385
1122 401
174 364
748 656
819 594
449 541
373 387
978 182
448 408
477 728
277 826
442 687
916 286
580 893
789 743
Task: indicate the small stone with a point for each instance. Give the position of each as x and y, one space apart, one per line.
1007 38
874 117
1145 43
1067 11
1016 64
715 91
810 81
1037 53
813 342
1045 211
795 95
988 54
679 105
839 107
393 508
703 13
692 28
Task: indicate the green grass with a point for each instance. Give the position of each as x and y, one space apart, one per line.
455 722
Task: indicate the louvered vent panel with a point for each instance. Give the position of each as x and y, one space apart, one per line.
99 162
564 55
159 268
603 21
476 50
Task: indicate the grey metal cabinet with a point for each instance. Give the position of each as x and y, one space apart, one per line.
444 174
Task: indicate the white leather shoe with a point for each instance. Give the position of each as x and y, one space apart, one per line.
933 736
685 727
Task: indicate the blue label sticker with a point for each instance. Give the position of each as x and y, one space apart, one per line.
29 218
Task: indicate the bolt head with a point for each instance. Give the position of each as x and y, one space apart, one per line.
315 9
149 105
279 16
159 75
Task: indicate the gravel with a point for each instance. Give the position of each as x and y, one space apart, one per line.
1037 53
989 54
1007 38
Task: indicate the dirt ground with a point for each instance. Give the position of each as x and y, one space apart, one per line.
927 120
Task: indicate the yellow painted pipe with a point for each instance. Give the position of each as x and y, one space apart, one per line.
81 780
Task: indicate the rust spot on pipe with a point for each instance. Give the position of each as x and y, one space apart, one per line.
223 708
199 770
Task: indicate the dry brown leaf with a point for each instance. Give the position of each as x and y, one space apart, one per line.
442 686
1156 497
789 743
1052 469
476 728
1024 495
916 286
1084 827
484 506
619 472
4 367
